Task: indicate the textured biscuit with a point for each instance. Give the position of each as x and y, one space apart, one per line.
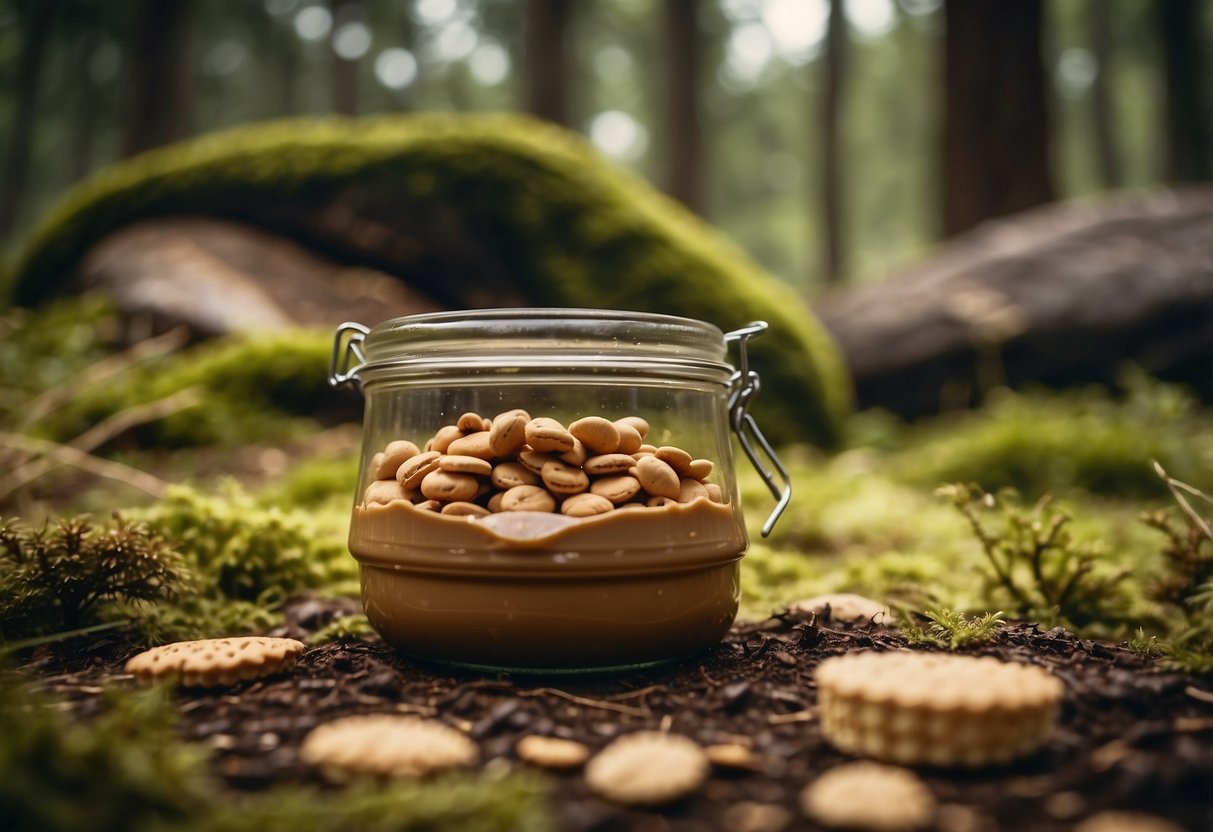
548 436
506 475
394 455
700 469
575 455
689 489
527 498
472 444
216 661
616 489
412 472
386 745
918 708
657 478
733 755
607 464
382 492
676 458
454 464
562 478
586 505
869 796
465 509
508 433
444 437
629 439
439 485
648 768
551 752
470 422
635 423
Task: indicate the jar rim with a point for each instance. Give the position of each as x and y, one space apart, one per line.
534 336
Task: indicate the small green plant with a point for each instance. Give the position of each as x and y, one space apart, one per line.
1035 564
58 578
952 629
345 628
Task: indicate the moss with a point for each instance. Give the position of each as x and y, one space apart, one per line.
569 229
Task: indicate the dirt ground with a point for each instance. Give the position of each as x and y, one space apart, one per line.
1130 736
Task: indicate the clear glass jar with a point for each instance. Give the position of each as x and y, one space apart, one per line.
453 572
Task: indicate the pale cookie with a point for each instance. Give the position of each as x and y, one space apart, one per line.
869 796
216 661
394 455
576 455
635 423
465 509
701 469
454 464
533 460
676 458
715 494
509 474
657 478
470 423
616 489
644 450
382 492
473 444
444 437
439 485
733 755
386 745
548 436
844 606
508 433
1112 821
607 464
597 434
689 489
527 498
647 768
629 440
562 478
940 709
586 505
413 471
551 752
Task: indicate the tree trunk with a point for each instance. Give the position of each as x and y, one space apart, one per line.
1106 153
39 15
996 121
84 130
1182 37
683 140
833 208
345 72
546 58
159 75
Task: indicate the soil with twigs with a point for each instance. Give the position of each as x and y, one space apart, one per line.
1131 736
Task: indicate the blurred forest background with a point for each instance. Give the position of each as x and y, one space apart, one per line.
833 139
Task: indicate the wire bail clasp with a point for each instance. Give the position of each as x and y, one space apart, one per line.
347 341
743 386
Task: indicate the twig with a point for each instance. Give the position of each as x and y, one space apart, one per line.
1175 487
108 367
599 704
75 458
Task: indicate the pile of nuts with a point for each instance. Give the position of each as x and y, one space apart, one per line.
481 466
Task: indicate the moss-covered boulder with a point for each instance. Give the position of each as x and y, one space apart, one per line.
472 210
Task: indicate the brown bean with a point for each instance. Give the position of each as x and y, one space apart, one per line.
474 444
444 437
494 504
676 458
414 470
508 432
616 489
598 466
439 485
561 478
533 461
382 492
428 505
645 450
545 435
506 475
376 461
470 423
465 509
455 464
527 498
394 455
596 433
635 423
715 493
629 439
657 478
586 505
701 469
691 489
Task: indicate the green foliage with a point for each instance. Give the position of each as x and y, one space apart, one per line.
345 628
567 229
952 629
248 387
123 770
58 578
1062 442
1034 562
126 769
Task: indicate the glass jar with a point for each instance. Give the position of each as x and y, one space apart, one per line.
473 550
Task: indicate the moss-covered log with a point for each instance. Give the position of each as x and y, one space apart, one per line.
466 208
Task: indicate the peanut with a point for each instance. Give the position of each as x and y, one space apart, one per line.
545 434
657 478
596 433
527 498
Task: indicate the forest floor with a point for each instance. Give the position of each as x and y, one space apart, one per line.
1131 736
